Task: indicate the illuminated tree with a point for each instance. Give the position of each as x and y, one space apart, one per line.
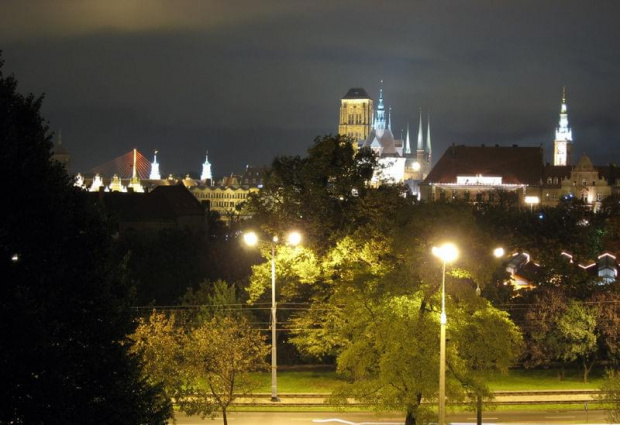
220 355
379 314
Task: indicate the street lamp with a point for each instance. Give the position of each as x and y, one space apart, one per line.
251 239
447 253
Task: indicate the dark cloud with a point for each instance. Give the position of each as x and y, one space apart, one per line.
248 80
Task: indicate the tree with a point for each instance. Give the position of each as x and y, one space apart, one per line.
319 193
489 343
220 355
65 306
379 305
159 340
610 395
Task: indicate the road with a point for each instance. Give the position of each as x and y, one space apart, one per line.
313 418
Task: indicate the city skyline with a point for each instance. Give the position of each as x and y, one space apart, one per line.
247 81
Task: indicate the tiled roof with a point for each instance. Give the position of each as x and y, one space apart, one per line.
516 165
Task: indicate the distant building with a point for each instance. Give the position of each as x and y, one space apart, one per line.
494 174
371 128
61 154
163 207
482 174
229 195
563 143
356 115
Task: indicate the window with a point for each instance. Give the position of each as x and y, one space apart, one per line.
555 180
549 180
584 183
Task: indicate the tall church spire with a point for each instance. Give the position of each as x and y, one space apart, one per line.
407 143
429 150
420 134
379 123
563 136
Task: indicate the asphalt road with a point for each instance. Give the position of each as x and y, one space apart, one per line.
335 418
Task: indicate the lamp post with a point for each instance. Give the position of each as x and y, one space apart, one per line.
251 239
447 253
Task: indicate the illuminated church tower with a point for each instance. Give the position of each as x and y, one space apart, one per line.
155 174
563 143
356 110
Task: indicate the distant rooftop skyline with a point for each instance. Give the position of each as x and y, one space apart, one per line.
251 80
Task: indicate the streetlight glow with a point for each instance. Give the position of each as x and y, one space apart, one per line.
294 238
250 238
498 252
448 252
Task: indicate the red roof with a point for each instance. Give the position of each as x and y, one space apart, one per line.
516 165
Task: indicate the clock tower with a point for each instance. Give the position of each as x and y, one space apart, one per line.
563 143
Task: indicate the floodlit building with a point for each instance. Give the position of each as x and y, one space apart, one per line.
519 175
399 162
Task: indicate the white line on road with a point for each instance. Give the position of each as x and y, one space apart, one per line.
354 423
559 417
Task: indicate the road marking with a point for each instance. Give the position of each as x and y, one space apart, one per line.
354 423
485 418
559 417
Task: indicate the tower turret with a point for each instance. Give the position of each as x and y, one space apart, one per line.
206 170
379 123
562 146
155 175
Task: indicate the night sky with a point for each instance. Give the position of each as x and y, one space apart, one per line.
249 80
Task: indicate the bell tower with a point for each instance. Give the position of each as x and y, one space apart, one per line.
562 146
356 114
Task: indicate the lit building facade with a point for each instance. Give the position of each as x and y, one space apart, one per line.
399 161
356 115
495 174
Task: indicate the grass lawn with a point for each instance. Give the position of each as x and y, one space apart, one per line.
323 380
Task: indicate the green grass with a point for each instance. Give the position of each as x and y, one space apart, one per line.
301 381
545 379
324 380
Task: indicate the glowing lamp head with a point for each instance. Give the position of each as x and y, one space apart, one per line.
448 252
294 238
498 252
250 238
416 166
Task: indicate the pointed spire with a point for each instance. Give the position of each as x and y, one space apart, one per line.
428 136
379 123
407 144
563 132
206 170
420 134
155 175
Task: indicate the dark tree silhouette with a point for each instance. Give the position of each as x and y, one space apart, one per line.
64 307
